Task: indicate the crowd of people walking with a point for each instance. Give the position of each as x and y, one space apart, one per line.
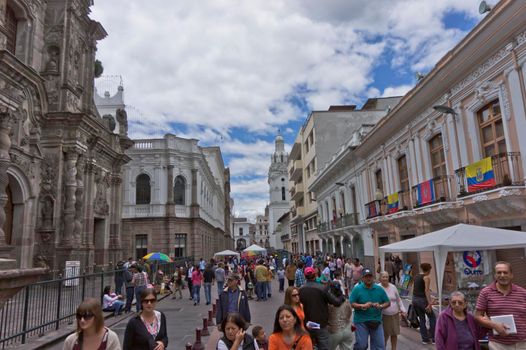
329 303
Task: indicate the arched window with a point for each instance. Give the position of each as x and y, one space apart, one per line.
283 193
179 190
143 189
11 24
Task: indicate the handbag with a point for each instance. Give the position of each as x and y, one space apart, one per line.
412 317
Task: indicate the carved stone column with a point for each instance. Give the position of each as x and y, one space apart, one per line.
79 202
6 122
70 181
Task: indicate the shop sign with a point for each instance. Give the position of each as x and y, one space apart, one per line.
473 263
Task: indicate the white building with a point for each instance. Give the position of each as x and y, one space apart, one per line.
176 199
261 232
278 181
241 233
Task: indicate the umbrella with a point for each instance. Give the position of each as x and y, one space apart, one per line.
157 256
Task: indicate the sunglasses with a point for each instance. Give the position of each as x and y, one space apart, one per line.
149 301
86 316
295 295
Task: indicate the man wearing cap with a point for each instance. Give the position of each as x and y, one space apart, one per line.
232 299
368 300
316 299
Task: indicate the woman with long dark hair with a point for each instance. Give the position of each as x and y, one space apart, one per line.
91 333
288 332
147 330
234 334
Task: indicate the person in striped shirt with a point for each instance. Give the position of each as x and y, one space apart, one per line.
502 297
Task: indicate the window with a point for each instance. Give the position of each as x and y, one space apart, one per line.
241 231
10 24
342 202
491 129
283 193
143 189
179 190
403 174
141 246
180 245
379 181
438 160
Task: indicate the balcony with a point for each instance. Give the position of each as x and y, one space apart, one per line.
506 169
298 192
296 171
351 219
433 191
375 208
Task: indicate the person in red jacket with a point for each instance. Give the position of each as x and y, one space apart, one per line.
456 328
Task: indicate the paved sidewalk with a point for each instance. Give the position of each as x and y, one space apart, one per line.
183 318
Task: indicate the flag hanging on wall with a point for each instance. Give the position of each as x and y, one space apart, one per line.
373 209
392 203
425 192
480 175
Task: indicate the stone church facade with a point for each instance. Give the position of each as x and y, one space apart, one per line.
60 162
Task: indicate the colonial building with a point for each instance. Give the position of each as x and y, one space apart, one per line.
453 150
261 228
60 162
321 135
176 199
242 228
278 181
283 231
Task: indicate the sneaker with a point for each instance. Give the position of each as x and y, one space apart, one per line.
426 342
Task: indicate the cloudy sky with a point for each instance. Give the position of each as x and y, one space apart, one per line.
232 73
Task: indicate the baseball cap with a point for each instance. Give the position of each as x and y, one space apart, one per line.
309 271
234 276
366 272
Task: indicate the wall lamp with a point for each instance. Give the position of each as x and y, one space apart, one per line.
445 109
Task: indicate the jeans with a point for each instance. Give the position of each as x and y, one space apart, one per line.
420 304
129 298
138 291
116 307
190 289
268 288
208 292
320 337
261 290
291 283
220 286
196 293
281 284
119 282
362 337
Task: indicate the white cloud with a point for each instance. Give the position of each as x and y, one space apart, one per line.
216 65
400 90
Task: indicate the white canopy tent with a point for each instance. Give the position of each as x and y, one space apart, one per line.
227 253
255 248
456 238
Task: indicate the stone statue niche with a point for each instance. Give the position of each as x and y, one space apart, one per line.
109 121
53 57
47 205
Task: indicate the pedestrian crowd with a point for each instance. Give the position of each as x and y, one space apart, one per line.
329 303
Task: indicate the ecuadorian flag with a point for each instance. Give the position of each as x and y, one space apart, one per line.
392 203
480 175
